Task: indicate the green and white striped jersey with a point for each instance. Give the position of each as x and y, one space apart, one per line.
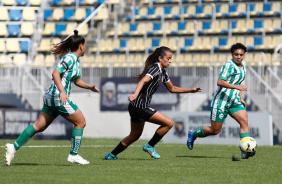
69 68
233 74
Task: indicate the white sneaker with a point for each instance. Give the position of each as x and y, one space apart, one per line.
10 152
77 159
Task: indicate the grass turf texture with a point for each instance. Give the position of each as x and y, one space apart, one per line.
204 164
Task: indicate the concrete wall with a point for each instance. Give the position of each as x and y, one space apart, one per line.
116 124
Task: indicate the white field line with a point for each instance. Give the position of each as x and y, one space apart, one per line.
86 146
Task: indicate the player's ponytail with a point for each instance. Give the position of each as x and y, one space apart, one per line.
151 59
70 44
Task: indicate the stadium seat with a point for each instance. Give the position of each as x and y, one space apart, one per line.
240 27
240 39
24 45
4 15
49 28
69 29
5 60
88 2
132 28
27 29
44 46
102 14
68 14
250 26
47 14
2 46
57 14
214 27
276 40
49 60
258 43
188 60
277 26
241 10
155 42
19 59
142 28
59 28
258 9
80 14
175 12
197 44
14 29
9 2
206 27
185 43
268 26
230 42
276 8
167 12
249 58
207 11
158 13
22 2
222 43
28 15
222 10
35 2
3 29
125 29
191 12
15 14
189 28
13 46
84 30
250 43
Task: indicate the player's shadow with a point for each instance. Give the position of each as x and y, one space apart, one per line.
189 156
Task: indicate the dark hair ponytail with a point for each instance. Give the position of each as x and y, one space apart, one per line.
70 44
151 59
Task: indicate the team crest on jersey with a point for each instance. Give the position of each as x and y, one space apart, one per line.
220 116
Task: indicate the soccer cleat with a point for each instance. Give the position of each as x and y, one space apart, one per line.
77 159
10 152
191 139
151 150
110 156
247 155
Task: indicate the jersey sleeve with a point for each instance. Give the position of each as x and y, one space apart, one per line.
166 78
65 64
153 71
225 71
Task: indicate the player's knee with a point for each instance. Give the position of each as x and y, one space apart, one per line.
170 124
215 131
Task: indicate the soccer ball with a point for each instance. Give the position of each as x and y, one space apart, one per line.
248 145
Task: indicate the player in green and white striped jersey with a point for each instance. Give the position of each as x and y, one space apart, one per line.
56 99
228 98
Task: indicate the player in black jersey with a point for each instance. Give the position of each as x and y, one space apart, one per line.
149 80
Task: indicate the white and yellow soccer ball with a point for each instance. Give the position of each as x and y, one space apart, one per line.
248 145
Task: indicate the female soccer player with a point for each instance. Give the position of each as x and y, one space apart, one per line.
149 80
227 99
57 101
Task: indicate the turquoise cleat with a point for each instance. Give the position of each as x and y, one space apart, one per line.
247 155
191 139
151 150
110 156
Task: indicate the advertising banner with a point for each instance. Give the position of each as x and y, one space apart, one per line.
260 126
14 121
115 92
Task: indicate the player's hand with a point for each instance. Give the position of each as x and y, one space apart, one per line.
244 103
94 89
132 97
195 90
63 98
242 88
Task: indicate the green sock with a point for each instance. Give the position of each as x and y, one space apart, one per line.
24 137
198 133
76 138
242 135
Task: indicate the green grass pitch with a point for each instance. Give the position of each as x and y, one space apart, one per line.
204 164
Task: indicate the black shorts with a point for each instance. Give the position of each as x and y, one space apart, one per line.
140 115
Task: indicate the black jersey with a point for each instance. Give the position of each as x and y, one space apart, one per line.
158 76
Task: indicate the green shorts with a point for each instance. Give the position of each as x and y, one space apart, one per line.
219 115
63 110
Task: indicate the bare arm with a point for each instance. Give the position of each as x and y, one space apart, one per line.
140 85
242 100
57 79
174 89
82 84
225 84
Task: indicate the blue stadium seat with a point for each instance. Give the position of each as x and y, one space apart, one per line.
47 14
221 42
128 17
232 8
167 10
266 8
132 27
60 28
155 43
258 26
181 26
206 26
68 14
123 44
199 9
156 27
187 43
15 15
22 2
24 46
14 29
258 41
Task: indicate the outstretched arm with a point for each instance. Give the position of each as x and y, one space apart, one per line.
140 85
82 84
174 89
